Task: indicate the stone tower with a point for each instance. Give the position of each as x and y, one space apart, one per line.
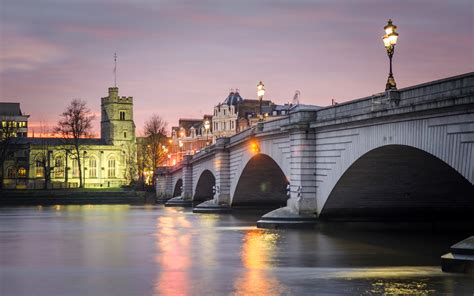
116 126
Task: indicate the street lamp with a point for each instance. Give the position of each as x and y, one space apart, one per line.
180 143
389 40
207 126
260 94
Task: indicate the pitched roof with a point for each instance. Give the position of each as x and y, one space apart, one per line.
60 141
11 109
233 98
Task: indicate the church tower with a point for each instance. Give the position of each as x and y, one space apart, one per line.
116 126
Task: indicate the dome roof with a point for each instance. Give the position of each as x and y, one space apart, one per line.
233 98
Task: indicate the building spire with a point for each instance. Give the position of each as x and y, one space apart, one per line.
115 69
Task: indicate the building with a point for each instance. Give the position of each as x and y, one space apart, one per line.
108 161
13 121
236 114
189 137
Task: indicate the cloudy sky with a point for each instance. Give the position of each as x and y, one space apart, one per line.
180 58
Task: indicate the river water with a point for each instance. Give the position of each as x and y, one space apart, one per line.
152 250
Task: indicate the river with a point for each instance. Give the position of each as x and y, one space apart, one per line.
152 250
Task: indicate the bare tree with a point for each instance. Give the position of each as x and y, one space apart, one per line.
42 156
8 139
130 172
74 125
155 133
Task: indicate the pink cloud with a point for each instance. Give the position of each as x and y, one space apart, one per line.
25 53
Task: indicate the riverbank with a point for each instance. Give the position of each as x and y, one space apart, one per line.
75 196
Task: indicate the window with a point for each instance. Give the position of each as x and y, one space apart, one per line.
75 168
58 167
92 167
39 169
111 169
122 115
21 172
11 172
124 135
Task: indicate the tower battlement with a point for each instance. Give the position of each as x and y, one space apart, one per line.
117 126
115 98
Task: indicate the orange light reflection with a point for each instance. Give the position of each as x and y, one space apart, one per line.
257 251
172 254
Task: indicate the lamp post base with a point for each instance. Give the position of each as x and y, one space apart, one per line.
391 84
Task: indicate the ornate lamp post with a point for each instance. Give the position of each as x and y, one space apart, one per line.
260 94
207 126
389 40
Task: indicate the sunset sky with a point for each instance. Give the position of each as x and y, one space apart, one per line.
180 58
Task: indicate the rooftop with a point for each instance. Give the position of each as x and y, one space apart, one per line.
10 109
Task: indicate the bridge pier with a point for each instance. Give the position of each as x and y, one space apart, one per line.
163 185
221 200
185 199
301 208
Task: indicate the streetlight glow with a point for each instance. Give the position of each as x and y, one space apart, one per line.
260 89
389 41
260 94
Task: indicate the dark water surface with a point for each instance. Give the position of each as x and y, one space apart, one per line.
152 250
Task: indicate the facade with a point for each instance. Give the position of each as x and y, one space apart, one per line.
236 114
108 161
191 136
13 121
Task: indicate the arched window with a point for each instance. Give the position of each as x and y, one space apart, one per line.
11 172
58 167
39 168
111 168
92 167
75 168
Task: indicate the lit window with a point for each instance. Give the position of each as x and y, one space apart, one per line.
93 167
111 168
21 172
39 169
75 168
58 167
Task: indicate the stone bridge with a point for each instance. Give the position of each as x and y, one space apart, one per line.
401 154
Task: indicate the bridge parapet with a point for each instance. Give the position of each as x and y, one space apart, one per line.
447 92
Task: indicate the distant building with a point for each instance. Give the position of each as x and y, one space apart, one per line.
189 137
13 120
108 161
236 114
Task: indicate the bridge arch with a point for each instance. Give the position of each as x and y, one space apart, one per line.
177 188
399 182
204 186
262 182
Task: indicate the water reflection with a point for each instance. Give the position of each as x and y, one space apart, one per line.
129 250
383 287
257 254
172 242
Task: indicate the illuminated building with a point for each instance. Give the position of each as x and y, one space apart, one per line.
191 136
107 161
12 120
236 114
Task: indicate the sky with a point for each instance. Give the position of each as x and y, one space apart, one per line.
179 59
